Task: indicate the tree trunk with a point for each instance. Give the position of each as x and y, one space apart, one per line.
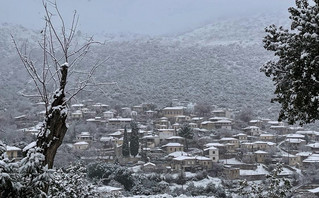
54 126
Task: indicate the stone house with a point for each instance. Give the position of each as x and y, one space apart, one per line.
165 133
193 125
177 139
151 141
240 136
223 124
261 156
14 152
149 167
222 113
137 108
252 130
311 135
261 145
182 118
291 160
78 106
257 123
162 123
108 115
150 113
314 147
302 156
81 145
311 160
84 136
280 129
172 147
231 173
204 162
100 107
171 112
267 137
176 126
77 114
190 163
295 144
212 153
230 140
119 122
209 125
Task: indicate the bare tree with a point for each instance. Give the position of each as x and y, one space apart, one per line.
61 56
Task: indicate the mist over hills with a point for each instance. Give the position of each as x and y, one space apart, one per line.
218 64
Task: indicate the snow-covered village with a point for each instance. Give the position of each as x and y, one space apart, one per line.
186 148
159 99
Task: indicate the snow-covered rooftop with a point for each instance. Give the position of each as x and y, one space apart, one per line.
260 170
211 148
31 145
149 164
181 158
224 121
231 161
251 127
314 145
106 139
304 154
81 143
218 118
228 139
175 137
173 144
215 144
107 189
77 105
85 134
13 148
117 133
315 190
173 108
308 132
314 158
121 119
202 158
295 136
177 154
295 141
261 152
207 122
266 135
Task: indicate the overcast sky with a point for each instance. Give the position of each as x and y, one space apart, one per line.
152 17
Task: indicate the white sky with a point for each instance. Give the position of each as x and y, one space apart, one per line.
152 17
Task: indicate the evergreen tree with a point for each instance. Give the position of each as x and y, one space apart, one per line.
125 146
134 141
295 71
186 132
274 186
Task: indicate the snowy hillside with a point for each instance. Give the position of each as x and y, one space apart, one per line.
218 63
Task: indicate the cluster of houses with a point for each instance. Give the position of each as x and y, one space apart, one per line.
242 152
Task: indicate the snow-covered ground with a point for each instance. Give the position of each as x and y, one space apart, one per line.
259 171
165 196
203 183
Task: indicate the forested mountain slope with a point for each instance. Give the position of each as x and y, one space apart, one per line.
218 64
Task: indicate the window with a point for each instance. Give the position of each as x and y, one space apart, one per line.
213 158
213 152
